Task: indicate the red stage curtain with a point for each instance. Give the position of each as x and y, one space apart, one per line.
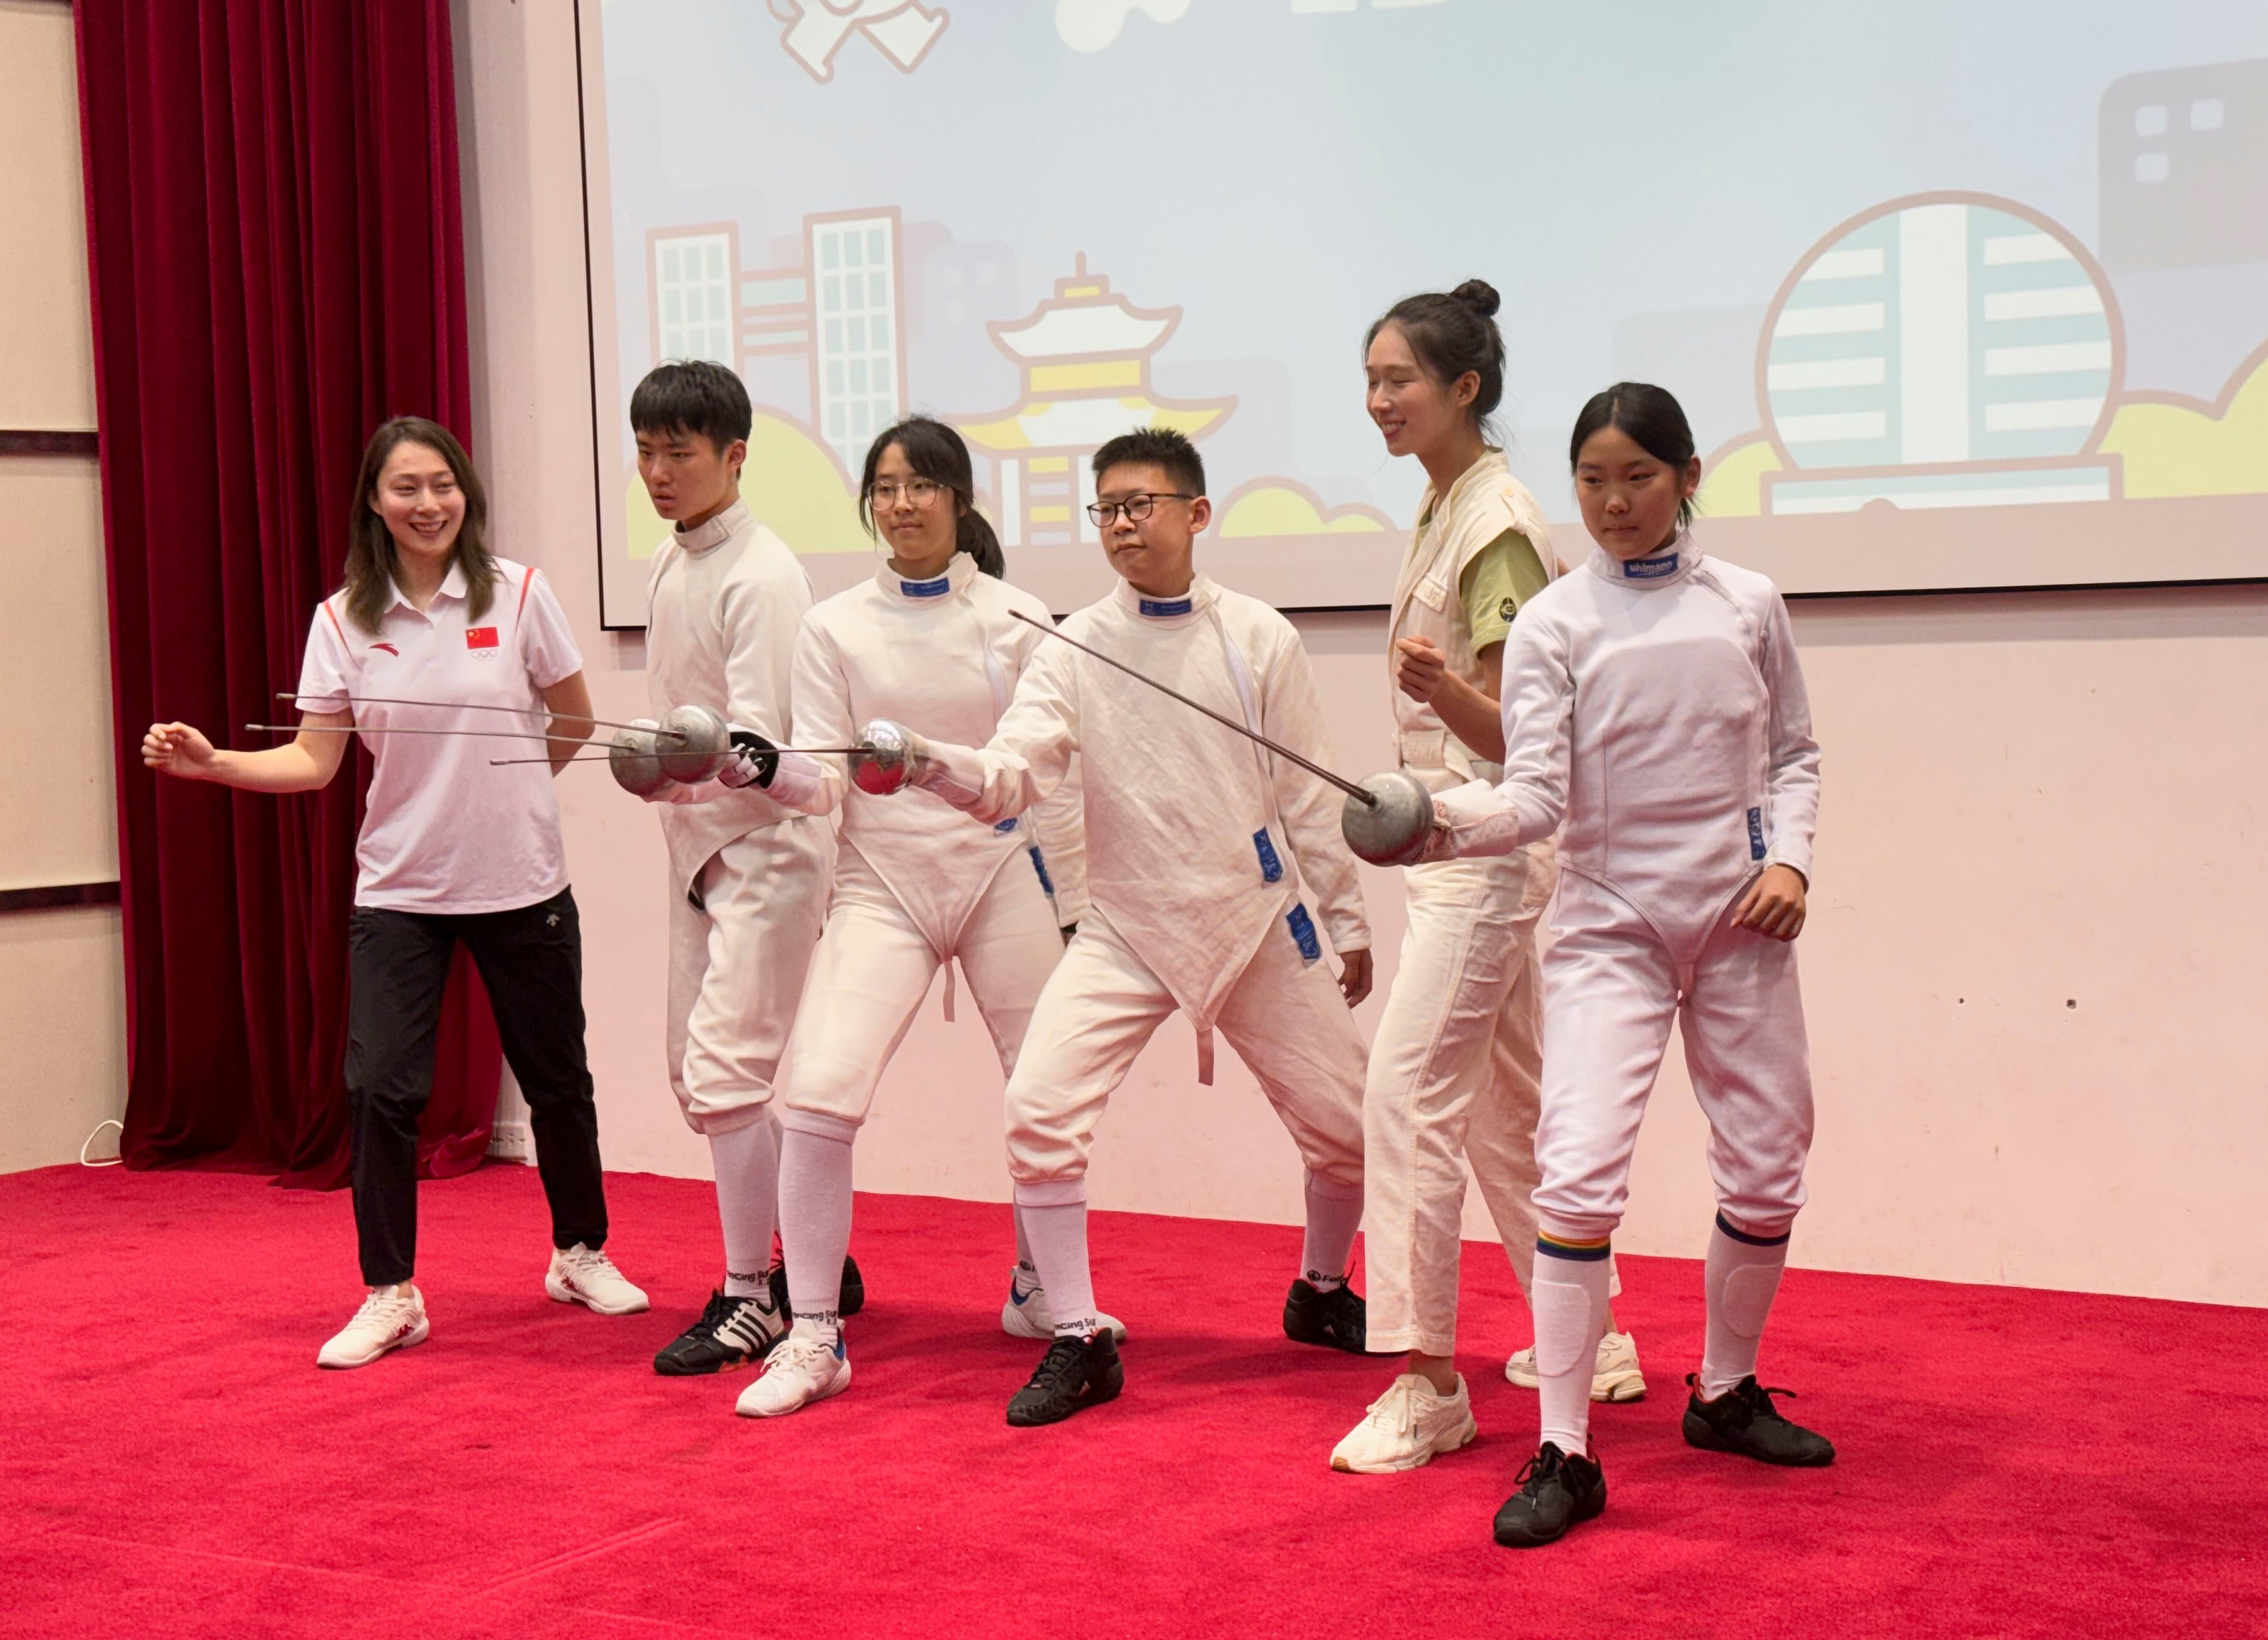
278 264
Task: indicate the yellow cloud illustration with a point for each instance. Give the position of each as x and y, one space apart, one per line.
1732 478
791 483
2174 448
1280 509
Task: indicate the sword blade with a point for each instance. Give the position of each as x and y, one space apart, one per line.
1316 770
476 706
493 734
806 751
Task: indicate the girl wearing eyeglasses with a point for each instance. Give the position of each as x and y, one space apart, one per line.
1455 1069
931 639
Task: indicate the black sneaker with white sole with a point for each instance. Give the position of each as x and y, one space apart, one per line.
1075 1374
1556 1492
1743 1420
1336 1318
731 1332
848 1302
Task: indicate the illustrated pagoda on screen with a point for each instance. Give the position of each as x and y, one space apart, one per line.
1085 355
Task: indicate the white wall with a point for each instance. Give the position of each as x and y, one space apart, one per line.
2038 923
62 985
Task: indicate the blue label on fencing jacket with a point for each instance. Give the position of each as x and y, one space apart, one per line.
1004 827
1160 607
1755 834
1650 569
1040 866
938 588
1271 869
1303 931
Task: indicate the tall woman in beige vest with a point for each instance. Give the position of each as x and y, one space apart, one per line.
1454 1073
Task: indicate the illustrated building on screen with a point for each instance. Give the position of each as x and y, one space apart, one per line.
1943 350
836 320
2184 158
1084 355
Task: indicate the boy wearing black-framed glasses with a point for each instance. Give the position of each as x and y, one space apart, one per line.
1206 855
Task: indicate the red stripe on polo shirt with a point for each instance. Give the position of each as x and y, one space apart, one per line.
526 581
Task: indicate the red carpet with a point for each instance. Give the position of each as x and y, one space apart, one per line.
2012 1462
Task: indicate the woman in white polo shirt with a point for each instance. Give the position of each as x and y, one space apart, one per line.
452 849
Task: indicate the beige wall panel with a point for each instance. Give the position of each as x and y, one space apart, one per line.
58 819
63 1015
47 351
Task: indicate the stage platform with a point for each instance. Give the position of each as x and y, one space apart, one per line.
2012 1462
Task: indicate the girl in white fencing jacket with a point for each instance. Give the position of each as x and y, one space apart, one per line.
1654 705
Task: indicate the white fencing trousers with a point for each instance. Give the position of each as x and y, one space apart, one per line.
1285 1018
736 968
874 966
1455 1074
1611 989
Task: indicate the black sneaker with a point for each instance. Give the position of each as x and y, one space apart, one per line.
731 1332
1075 1373
848 1301
1556 1491
1337 1318
1743 1420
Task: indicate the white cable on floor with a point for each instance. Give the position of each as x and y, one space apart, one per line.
111 1161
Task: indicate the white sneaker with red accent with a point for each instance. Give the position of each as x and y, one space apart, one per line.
586 1276
390 1318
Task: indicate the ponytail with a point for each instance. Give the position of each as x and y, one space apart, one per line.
976 538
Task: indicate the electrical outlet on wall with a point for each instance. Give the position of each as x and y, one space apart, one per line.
511 1141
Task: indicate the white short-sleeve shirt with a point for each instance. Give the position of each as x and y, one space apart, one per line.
445 831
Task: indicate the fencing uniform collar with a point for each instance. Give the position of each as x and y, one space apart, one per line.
717 530
1671 564
1202 595
960 569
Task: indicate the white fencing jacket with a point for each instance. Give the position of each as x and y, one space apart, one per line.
723 603
1199 843
942 656
1657 709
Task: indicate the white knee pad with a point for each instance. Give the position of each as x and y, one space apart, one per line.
1563 1320
1747 1298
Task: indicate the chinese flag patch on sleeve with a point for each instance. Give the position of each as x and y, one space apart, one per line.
480 637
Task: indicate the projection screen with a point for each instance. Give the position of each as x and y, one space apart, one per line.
1956 296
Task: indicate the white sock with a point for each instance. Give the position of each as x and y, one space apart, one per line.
815 1221
1058 1234
1743 1275
1570 1301
746 1160
1334 1214
1025 1268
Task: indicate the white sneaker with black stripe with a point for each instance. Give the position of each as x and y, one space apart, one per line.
587 1276
1024 1312
390 1318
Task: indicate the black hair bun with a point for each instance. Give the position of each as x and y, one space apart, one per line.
1480 295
